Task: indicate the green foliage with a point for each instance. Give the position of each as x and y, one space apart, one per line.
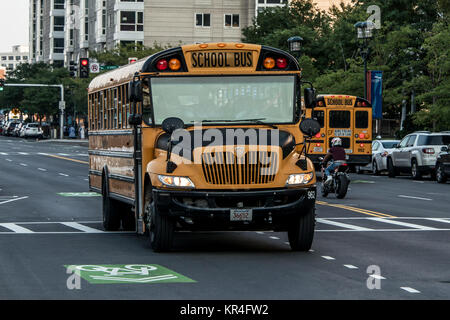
411 48
119 56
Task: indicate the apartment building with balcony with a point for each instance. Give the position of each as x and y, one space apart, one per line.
62 31
193 21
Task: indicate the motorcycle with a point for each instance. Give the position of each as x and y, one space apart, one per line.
339 182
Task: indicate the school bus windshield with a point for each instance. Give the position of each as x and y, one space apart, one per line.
268 98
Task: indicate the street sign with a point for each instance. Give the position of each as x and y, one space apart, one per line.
62 105
95 67
108 67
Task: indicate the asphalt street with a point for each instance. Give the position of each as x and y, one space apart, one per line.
388 239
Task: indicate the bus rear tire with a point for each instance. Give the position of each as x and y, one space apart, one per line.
128 218
111 213
301 231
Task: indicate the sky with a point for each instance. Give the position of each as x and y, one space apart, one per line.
13 23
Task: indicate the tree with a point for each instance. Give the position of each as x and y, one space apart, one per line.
119 55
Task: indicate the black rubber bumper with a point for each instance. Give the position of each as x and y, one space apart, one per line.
359 160
269 207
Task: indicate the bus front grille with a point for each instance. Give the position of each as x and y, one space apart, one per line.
253 167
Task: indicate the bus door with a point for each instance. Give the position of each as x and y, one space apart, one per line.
340 125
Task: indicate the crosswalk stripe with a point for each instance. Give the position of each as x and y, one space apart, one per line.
404 224
14 227
342 225
81 227
438 220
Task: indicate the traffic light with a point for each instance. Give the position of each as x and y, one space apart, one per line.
84 67
73 68
132 60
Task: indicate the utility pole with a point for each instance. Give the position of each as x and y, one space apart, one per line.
62 103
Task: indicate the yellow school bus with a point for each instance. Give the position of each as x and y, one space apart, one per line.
203 137
346 117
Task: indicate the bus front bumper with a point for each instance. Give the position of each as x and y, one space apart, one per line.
359 160
270 209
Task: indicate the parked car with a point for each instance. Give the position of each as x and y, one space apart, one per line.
443 165
32 130
417 153
380 151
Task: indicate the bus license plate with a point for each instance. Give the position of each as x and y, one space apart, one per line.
241 215
318 149
342 133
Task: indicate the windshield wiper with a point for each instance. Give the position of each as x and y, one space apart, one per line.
257 121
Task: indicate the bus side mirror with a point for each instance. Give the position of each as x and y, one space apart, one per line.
310 98
135 91
309 127
171 124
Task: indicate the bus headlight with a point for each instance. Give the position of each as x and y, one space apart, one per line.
173 181
300 178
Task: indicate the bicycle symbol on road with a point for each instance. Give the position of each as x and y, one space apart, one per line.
131 273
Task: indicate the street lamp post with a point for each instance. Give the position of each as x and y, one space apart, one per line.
295 45
364 33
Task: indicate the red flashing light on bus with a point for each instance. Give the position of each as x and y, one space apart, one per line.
162 65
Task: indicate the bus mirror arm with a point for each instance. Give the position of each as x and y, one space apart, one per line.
171 166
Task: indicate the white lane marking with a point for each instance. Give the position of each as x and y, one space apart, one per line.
63 174
81 227
86 179
24 164
259 232
43 154
42 169
438 220
410 290
376 276
382 230
274 238
350 266
10 200
411 197
15 228
3 153
9 160
311 250
404 224
286 243
418 181
328 258
343 225
24 153
64 154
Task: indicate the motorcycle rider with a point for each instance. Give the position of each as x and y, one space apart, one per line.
336 153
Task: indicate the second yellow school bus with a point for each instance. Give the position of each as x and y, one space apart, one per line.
203 137
347 117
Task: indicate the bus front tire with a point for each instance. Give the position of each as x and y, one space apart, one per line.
160 229
301 231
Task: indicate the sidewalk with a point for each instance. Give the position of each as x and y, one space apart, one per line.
83 142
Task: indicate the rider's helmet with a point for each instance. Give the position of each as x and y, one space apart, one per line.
336 142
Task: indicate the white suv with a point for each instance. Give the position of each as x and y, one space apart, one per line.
416 153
